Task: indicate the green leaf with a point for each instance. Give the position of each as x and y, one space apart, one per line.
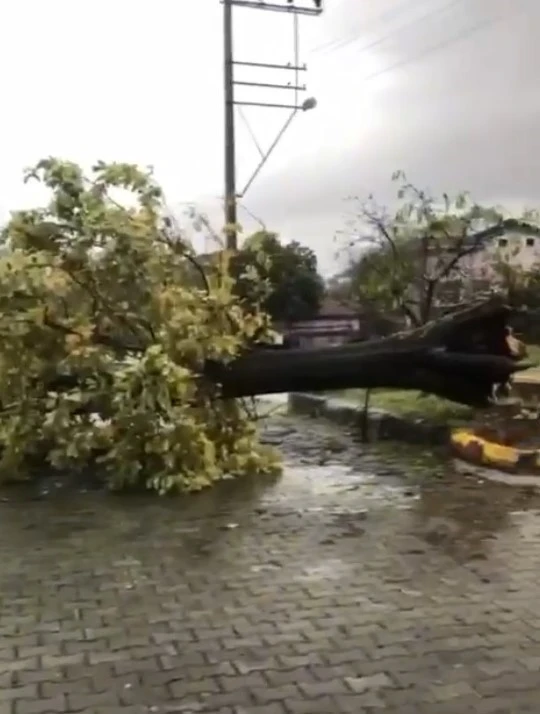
102 314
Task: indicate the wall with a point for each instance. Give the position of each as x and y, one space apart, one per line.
324 331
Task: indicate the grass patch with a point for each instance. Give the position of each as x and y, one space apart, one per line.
416 463
533 353
411 403
532 374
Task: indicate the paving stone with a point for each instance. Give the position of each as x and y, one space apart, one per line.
41 705
10 694
120 605
365 684
447 692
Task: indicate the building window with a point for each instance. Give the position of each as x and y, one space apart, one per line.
530 242
503 242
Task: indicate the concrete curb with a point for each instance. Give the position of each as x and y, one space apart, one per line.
527 387
477 450
381 425
498 462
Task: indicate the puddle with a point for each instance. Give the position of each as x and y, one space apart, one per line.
347 502
312 489
332 569
325 479
497 476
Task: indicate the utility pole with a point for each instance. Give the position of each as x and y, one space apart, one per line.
294 8
230 151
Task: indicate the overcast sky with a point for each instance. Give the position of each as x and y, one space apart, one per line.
445 89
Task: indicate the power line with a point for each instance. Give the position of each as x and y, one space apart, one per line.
426 16
442 45
336 44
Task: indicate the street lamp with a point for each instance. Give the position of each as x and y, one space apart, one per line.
308 104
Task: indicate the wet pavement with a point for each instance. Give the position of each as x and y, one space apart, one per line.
364 580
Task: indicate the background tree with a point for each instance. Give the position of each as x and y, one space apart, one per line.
105 333
282 278
415 257
520 288
515 277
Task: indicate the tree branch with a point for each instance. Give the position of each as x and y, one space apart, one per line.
97 338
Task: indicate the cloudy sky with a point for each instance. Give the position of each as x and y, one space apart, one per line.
445 89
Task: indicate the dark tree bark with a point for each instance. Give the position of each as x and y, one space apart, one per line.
461 357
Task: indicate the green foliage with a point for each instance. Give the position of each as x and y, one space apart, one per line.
519 283
412 258
106 322
520 288
283 279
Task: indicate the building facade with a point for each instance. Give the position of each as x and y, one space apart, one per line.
482 265
335 324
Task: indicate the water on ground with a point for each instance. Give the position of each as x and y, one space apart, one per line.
367 578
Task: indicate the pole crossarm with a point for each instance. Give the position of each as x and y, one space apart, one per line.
271 105
265 65
265 85
275 7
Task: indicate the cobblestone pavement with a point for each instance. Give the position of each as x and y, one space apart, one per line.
341 588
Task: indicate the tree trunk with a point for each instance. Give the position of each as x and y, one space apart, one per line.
461 357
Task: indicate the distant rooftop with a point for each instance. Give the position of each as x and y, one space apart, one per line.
510 225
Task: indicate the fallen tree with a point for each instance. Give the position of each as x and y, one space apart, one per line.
461 357
120 352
